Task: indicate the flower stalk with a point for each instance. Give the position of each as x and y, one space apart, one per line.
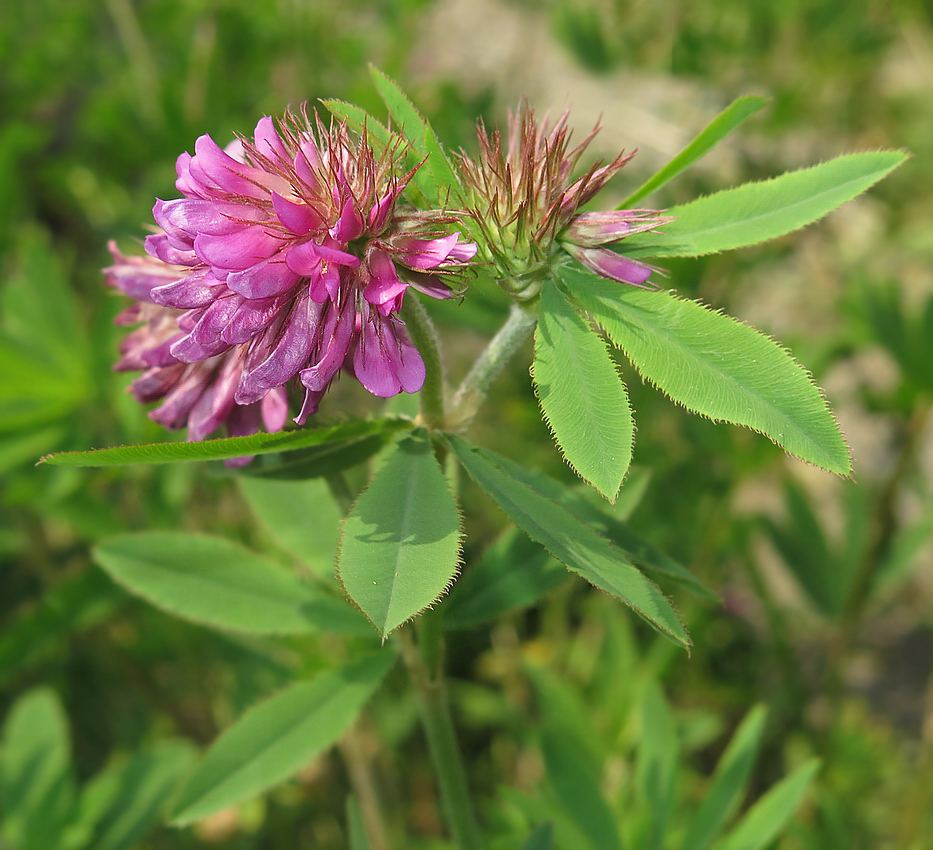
424 661
424 335
470 394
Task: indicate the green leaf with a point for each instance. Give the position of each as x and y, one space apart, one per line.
755 212
643 553
229 447
121 804
219 584
357 118
400 547
716 366
36 781
302 516
763 821
578 791
635 547
278 737
436 178
657 765
572 542
729 782
514 572
714 132
317 461
582 396
541 839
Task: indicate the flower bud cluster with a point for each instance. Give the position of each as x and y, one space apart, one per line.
527 204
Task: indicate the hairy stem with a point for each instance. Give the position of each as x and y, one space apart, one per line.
424 336
501 348
424 661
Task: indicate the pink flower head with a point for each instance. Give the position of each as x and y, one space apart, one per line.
290 256
200 395
527 203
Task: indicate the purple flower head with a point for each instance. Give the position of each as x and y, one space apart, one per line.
289 255
527 203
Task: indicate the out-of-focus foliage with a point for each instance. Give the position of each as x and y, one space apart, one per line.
826 583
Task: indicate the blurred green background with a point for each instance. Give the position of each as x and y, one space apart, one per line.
828 584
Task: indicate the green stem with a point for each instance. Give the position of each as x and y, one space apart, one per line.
501 348
424 661
424 336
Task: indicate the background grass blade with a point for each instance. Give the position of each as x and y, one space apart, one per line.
714 132
729 783
577 789
278 737
770 814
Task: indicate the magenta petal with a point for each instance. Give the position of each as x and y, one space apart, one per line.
309 406
428 284
228 175
289 354
252 317
188 350
384 285
213 408
215 318
243 421
137 276
305 161
325 283
239 251
215 218
263 280
181 398
410 367
424 254
154 384
303 259
462 252
333 254
161 355
387 362
380 211
611 265
300 219
335 342
159 246
197 289
600 228
274 409
350 224
187 183
268 141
